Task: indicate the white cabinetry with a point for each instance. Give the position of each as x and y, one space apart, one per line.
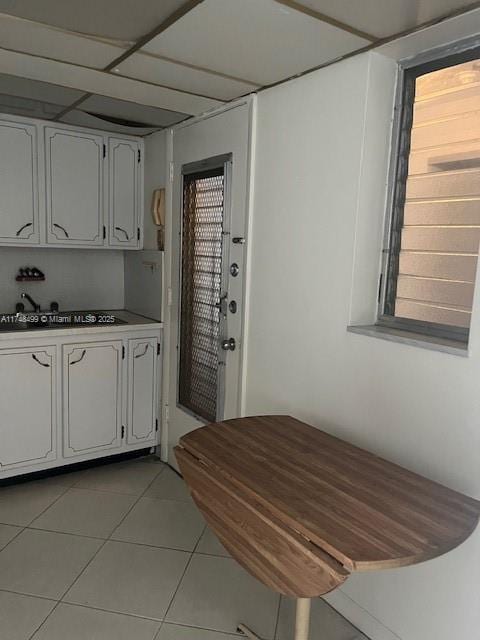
18 184
124 193
74 187
142 390
92 397
28 407
68 187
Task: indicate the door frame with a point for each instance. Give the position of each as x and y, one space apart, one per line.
251 103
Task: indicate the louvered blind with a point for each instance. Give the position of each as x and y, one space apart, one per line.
441 223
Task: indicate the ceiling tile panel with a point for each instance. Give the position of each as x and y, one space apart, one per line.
33 99
98 82
120 19
184 78
40 40
262 41
384 18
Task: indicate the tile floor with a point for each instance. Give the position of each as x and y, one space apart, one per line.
120 552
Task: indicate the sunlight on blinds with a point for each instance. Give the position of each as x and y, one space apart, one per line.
441 231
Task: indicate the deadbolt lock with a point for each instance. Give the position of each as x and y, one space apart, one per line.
229 344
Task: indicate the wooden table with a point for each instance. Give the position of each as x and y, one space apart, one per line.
301 510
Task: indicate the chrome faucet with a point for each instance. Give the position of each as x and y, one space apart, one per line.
36 307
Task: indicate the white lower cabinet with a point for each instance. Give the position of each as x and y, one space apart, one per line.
142 421
92 397
28 407
99 397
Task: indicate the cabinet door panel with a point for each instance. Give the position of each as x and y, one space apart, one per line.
92 396
142 390
75 199
27 406
124 193
18 184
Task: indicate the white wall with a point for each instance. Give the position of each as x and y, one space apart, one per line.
155 178
75 278
316 178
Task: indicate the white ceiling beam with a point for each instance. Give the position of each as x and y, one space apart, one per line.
101 83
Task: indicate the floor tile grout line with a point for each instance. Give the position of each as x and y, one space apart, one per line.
167 610
28 595
50 505
22 529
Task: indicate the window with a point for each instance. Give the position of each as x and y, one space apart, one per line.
434 230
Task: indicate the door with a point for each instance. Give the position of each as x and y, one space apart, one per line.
28 406
18 184
209 227
124 193
74 189
142 411
92 396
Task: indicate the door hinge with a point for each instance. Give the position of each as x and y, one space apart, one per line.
139 156
171 171
156 424
104 232
158 348
104 150
138 233
123 353
167 413
169 297
123 432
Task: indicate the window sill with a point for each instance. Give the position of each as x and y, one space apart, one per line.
414 339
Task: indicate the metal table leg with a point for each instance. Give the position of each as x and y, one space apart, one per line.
302 622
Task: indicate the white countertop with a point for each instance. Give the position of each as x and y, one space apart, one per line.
133 322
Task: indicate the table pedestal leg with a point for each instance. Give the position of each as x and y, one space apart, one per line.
302 622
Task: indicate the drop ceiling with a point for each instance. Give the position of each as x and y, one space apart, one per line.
140 65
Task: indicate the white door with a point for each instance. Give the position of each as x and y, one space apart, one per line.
28 406
74 188
18 184
124 192
92 396
210 195
142 411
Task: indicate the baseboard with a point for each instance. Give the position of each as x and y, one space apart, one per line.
359 617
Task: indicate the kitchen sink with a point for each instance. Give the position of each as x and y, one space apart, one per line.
59 320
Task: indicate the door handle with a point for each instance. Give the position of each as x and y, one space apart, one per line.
59 226
123 231
140 355
43 364
229 344
80 359
29 224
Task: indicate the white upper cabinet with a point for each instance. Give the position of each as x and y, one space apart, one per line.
124 160
19 222
74 187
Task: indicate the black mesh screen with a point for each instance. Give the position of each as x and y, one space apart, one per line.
203 207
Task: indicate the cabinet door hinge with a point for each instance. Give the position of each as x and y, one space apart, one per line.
171 171
123 353
138 233
139 156
158 348
156 424
123 432
104 150
104 232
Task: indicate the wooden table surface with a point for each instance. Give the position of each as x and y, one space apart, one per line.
301 509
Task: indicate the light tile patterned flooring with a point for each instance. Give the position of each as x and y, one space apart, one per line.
120 552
